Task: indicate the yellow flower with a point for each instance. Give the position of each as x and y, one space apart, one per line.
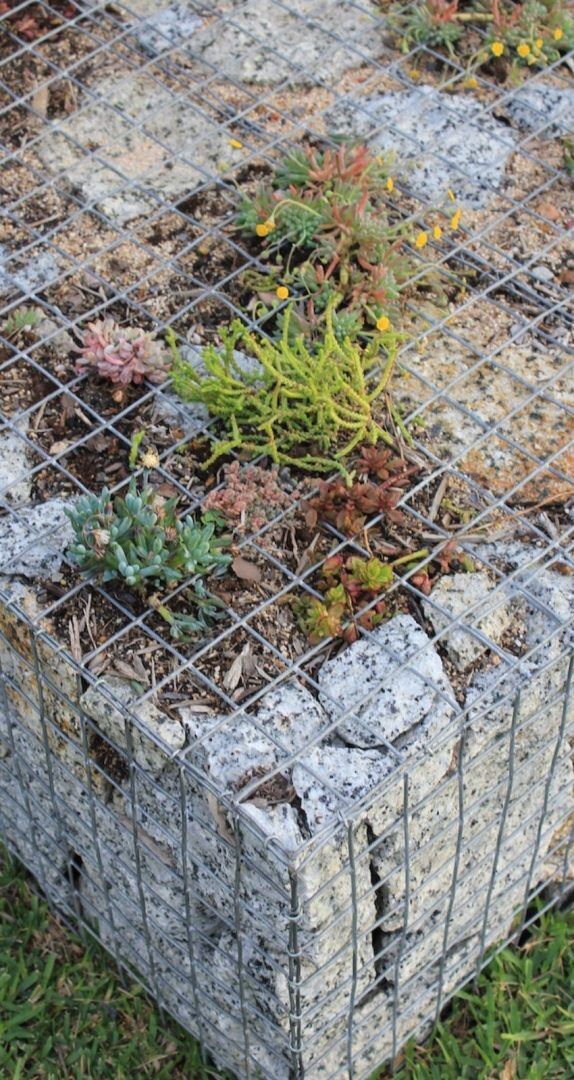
383 323
471 83
421 239
437 232
263 228
236 144
149 459
390 184
558 34
539 43
282 292
455 219
523 49
497 48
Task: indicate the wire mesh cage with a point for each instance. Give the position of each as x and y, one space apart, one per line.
301 848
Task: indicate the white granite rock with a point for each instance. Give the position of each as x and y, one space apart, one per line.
231 749
398 671
452 596
262 43
172 27
155 737
542 108
54 334
134 139
165 965
293 715
332 780
452 142
191 417
39 270
33 543
15 482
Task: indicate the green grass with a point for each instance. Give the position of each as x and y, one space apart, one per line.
64 1013
520 1021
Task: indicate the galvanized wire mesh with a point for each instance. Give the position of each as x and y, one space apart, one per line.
288 946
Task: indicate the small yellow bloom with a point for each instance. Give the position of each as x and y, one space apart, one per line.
523 49
471 83
539 43
282 292
390 184
437 232
236 144
383 323
149 459
421 239
263 228
558 34
497 48
455 219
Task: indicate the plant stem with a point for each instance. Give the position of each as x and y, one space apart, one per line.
420 554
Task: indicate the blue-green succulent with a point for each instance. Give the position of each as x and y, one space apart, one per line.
140 539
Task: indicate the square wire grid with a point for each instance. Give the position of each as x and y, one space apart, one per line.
107 44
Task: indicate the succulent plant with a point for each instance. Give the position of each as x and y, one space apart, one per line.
122 354
534 33
301 407
348 584
139 539
248 498
347 506
325 219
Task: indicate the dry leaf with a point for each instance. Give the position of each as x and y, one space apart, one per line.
169 491
549 211
40 100
232 677
245 570
240 666
220 818
59 447
75 645
126 671
99 663
101 442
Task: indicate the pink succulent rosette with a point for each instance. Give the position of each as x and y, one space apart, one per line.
122 355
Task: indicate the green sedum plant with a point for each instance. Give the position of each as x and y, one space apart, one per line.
350 584
303 407
139 539
20 320
347 584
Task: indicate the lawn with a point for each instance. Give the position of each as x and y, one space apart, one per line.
64 1013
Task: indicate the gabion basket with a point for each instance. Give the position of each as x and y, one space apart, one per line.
302 851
